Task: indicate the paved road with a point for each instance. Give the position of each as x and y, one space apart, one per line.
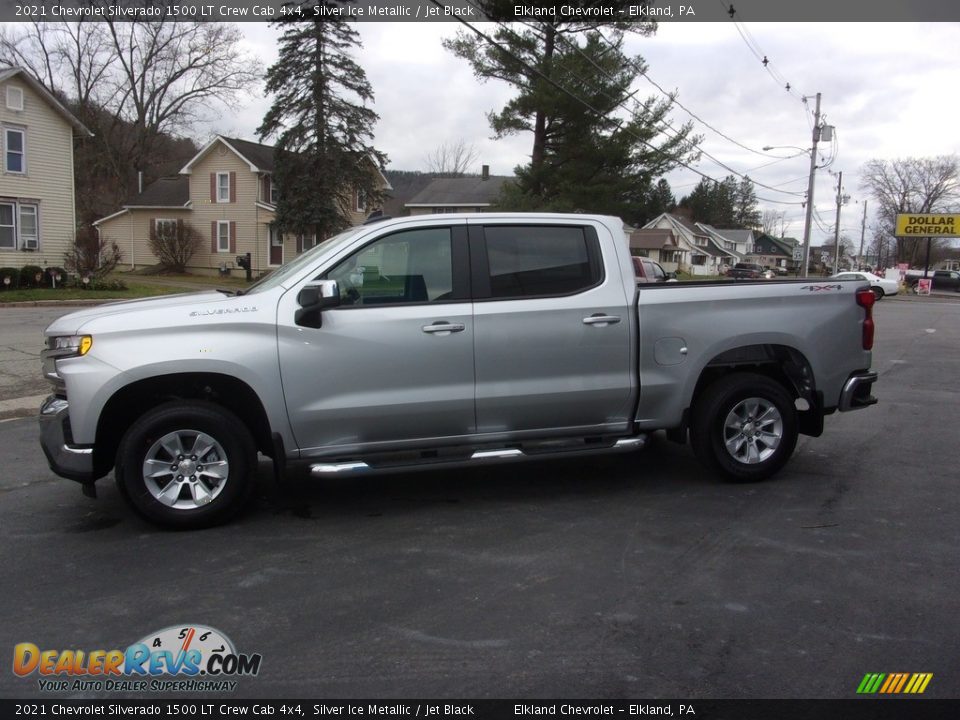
635 576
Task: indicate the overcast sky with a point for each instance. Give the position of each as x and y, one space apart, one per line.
890 89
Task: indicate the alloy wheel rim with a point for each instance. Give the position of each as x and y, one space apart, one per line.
753 430
185 469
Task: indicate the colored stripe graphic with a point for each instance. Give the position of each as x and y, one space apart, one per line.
894 683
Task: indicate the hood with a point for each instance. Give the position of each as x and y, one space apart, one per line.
73 323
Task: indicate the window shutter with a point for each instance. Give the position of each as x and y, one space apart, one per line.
152 231
213 236
233 187
233 232
213 187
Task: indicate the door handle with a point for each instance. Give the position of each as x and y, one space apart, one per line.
601 320
444 328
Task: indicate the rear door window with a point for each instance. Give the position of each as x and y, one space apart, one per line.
541 261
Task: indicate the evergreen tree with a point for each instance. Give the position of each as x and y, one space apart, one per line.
746 214
712 203
661 199
572 84
324 129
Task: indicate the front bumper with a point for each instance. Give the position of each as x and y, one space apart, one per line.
74 462
856 391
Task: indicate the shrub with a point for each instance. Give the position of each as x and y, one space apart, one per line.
91 256
175 247
28 276
14 275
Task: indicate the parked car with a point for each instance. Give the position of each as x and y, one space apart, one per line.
648 271
746 270
942 279
777 270
880 286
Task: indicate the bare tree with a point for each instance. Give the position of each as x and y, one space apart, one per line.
174 243
132 83
453 159
911 185
774 223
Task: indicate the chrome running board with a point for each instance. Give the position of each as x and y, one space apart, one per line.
478 457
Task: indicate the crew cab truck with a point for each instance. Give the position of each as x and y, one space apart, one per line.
444 340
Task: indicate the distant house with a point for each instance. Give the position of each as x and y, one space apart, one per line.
659 245
461 194
703 255
37 214
736 241
226 193
774 252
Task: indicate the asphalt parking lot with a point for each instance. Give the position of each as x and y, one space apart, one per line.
637 576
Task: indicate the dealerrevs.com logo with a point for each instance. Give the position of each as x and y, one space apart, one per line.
180 658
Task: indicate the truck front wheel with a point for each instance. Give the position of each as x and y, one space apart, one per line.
186 464
744 426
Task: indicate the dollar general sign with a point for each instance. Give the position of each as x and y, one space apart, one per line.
929 225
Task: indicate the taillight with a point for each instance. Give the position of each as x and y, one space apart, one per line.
866 299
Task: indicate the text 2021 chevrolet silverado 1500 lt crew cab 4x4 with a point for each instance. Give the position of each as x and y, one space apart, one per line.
450 339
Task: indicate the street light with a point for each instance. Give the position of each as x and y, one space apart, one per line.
817 127
813 174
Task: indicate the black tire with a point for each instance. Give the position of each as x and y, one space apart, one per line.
184 493
725 436
878 292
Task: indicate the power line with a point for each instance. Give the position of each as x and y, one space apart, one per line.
704 152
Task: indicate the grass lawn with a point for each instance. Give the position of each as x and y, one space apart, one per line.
135 289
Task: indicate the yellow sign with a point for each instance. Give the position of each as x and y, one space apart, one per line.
929 225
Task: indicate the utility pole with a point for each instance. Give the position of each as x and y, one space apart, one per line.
863 231
813 175
841 199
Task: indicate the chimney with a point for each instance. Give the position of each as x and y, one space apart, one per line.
485 172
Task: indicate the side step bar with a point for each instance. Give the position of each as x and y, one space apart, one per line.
479 457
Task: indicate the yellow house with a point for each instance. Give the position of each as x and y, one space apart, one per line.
226 194
37 213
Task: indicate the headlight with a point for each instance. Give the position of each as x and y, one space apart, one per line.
71 345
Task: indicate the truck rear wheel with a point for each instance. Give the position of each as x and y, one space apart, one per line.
744 426
186 464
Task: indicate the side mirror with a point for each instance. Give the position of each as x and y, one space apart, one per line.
313 299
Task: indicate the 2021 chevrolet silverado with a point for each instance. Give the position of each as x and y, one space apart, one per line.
444 340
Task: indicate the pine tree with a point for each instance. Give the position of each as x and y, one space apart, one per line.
324 129
746 214
572 84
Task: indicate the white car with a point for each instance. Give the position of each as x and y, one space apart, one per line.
880 286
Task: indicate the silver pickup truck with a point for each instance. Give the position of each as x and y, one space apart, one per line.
444 340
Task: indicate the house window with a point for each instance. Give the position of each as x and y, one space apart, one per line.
19 227
223 236
29 228
14 159
8 227
165 229
223 187
698 260
360 198
14 98
274 195
441 210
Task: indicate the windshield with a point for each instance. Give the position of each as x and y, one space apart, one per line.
278 276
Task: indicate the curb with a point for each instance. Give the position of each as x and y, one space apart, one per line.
21 407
